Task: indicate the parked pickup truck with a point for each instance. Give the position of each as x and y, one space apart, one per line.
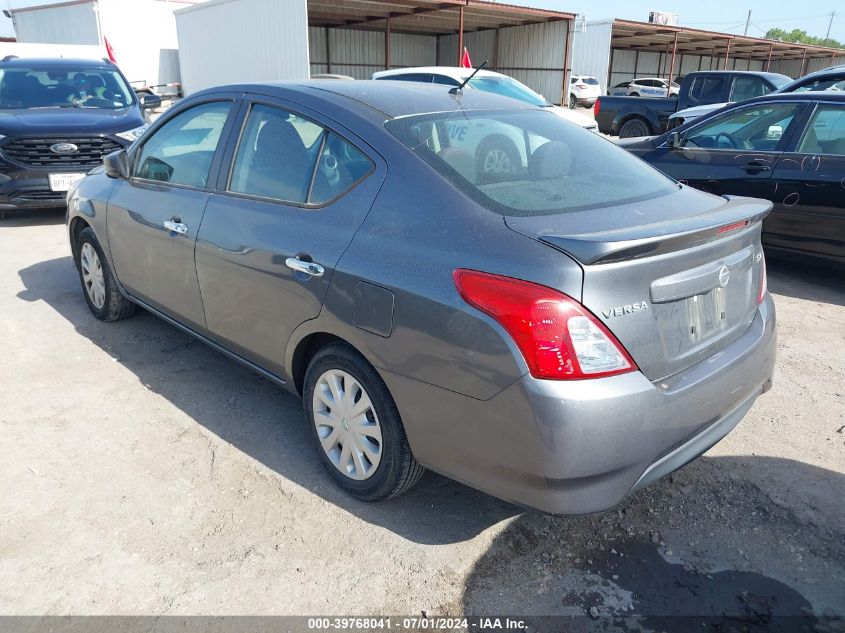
634 116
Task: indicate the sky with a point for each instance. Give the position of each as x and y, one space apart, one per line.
811 15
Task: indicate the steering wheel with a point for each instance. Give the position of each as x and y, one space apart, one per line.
329 169
727 136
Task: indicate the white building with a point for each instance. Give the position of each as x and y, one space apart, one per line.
142 33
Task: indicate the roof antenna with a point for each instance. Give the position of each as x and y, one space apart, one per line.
459 89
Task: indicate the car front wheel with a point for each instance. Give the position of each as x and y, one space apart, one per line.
356 426
98 283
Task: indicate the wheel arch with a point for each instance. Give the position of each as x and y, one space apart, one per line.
304 351
76 226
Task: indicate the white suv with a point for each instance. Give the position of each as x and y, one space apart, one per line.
487 81
652 87
583 90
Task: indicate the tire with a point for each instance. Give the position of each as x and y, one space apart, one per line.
634 127
573 102
395 470
634 94
497 155
99 286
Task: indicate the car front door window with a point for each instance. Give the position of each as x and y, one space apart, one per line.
825 136
760 128
181 151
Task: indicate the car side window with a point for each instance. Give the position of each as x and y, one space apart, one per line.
421 77
289 158
180 151
755 128
448 81
706 90
826 133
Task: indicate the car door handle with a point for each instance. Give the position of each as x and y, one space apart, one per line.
309 268
755 165
176 227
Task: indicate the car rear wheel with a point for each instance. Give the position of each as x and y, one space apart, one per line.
634 94
356 426
98 283
573 102
634 127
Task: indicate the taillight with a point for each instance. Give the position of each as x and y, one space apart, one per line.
764 283
558 337
580 85
596 108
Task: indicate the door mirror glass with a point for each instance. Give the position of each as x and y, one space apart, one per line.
117 164
674 140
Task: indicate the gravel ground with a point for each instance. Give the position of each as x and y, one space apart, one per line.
144 473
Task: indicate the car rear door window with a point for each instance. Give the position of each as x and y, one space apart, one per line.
286 157
826 133
448 81
181 151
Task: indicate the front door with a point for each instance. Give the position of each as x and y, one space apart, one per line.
270 239
809 213
733 153
154 216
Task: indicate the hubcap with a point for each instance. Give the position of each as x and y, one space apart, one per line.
347 424
497 161
92 275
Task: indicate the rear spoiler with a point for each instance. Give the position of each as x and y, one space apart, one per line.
662 237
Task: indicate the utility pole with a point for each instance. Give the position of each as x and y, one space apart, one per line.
747 22
829 24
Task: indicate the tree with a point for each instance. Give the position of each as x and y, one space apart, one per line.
799 36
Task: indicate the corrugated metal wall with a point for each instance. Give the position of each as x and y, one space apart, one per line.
361 53
231 41
532 54
591 51
60 24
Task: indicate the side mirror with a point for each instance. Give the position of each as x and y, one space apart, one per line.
117 164
150 101
674 140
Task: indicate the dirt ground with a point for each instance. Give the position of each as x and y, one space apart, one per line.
144 473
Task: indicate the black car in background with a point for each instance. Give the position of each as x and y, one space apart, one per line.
58 118
787 148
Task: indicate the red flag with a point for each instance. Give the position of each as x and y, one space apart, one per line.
465 60
109 50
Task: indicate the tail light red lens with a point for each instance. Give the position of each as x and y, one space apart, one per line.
580 85
558 337
596 108
764 282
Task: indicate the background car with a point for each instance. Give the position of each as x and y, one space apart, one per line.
583 91
832 78
486 81
335 237
788 148
652 87
58 118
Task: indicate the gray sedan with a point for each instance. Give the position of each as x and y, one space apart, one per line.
558 327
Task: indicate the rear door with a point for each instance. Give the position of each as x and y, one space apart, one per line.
809 213
733 153
155 215
296 191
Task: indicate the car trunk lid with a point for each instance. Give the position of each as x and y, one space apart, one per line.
675 287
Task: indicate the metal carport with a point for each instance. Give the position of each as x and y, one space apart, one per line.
359 37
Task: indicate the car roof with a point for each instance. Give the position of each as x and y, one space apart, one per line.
755 73
455 72
389 98
56 62
836 96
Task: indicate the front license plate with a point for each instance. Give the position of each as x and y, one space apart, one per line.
63 182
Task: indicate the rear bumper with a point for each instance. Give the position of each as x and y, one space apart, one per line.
579 447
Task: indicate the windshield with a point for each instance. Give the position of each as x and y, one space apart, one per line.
779 81
61 87
508 87
528 162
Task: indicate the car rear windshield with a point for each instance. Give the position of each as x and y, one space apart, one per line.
528 162
63 87
590 81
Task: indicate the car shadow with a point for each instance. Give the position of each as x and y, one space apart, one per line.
253 414
808 280
33 217
697 551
